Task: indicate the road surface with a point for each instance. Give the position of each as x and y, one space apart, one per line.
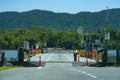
60 71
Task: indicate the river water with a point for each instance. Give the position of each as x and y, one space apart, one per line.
10 54
13 53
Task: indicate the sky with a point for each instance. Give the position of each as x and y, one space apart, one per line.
59 6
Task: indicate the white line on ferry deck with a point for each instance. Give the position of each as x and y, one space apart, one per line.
67 56
49 57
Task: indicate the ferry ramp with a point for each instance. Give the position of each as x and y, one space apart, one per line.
53 57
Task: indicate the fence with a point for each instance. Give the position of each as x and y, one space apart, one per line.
107 58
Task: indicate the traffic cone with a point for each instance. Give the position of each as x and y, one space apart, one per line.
78 58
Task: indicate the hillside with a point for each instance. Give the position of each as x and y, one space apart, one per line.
89 20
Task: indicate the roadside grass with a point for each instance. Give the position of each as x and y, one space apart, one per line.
8 67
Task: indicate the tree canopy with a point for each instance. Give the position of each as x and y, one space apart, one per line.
69 39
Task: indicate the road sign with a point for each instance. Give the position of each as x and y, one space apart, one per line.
26 44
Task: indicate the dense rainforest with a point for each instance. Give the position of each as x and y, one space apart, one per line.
69 39
49 19
57 29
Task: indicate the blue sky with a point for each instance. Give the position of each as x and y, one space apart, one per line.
69 6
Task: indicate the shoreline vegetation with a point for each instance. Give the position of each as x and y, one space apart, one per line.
68 39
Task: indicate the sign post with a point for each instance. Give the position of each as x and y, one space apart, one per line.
26 46
118 58
2 58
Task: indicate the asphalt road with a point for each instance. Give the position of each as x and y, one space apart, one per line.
60 71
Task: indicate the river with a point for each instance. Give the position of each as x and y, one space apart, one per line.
10 54
13 53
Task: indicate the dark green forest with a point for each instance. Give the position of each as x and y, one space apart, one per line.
13 38
49 19
69 39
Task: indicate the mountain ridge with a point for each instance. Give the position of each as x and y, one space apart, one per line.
49 19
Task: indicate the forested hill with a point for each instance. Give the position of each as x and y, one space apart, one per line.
90 20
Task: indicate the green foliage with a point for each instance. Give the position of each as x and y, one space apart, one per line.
113 43
70 39
13 38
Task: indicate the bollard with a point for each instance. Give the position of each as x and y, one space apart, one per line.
78 58
86 62
2 59
40 63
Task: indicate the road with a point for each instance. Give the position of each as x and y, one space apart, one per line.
60 71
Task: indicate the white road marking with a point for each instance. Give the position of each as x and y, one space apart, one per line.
93 76
79 71
75 70
88 74
39 67
83 72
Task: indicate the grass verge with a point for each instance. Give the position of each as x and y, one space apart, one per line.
8 67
